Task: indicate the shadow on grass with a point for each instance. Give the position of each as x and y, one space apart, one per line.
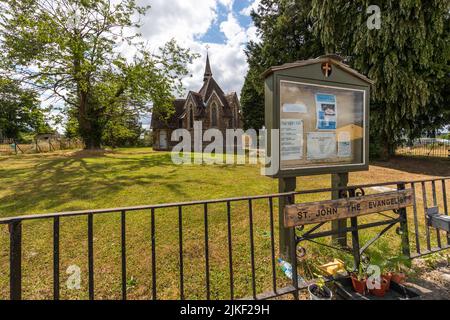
426 166
65 179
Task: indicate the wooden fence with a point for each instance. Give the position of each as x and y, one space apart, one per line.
9 146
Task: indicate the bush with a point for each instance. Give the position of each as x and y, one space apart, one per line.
445 136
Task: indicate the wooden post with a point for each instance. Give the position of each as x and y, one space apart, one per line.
339 180
15 260
355 242
293 260
285 234
404 226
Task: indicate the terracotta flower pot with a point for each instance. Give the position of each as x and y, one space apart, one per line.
380 292
359 285
398 277
388 278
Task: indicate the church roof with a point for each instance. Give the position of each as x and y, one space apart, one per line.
208 72
199 104
201 98
209 87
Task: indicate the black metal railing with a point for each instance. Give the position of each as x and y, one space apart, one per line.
426 147
410 237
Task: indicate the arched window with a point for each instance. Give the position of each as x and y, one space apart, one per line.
214 115
191 117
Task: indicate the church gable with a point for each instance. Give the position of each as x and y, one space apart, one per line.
233 100
195 100
214 97
212 87
210 105
235 108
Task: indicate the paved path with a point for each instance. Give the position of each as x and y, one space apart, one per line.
432 282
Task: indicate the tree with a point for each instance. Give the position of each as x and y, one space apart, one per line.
19 111
408 58
123 130
252 100
72 48
285 30
71 128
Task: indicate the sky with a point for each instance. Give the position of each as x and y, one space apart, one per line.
224 26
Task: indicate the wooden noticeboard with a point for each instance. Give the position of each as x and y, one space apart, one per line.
322 211
317 122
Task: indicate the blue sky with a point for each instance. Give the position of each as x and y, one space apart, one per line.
214 34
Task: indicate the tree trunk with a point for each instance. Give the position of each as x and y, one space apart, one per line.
89 130
91 143
387 150
88 121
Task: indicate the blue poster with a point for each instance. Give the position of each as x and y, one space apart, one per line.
326 111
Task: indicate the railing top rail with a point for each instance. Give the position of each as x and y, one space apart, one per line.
200 202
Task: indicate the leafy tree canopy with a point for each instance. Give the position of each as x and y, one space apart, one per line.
19 111
285 30
408 58
72 49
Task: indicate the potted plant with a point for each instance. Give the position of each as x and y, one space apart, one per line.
398 266
359 279
380 286
399 277
319 291
380 291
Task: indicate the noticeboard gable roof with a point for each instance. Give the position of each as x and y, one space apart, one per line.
319 60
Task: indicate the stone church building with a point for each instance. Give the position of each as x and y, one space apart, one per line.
210 105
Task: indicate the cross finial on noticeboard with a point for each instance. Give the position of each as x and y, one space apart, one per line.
326 69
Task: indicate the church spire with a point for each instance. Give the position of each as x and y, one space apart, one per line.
208 72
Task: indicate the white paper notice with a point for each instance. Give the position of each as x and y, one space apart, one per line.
295 108
344 145
321 145
291 138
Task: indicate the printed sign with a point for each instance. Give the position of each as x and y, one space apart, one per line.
326 111
291 139
322 211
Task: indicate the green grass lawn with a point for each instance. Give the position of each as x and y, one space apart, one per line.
34 184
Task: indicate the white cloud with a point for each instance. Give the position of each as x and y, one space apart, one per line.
234 33
182 20
248 10
252 34
186 21
227 3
